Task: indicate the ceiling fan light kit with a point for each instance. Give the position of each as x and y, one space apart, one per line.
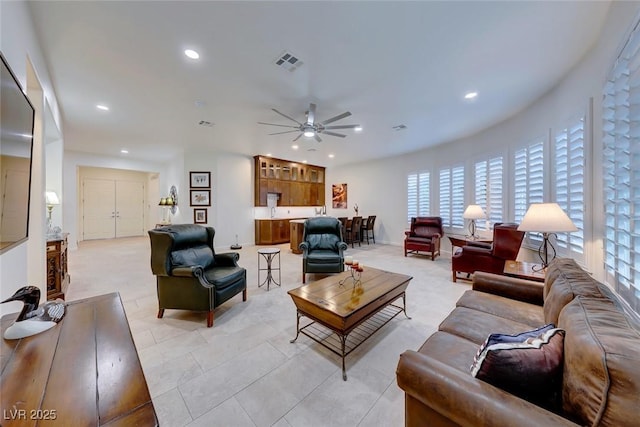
312 128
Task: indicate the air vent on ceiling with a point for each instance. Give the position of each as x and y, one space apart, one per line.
205 123
311 149
399 127
288 61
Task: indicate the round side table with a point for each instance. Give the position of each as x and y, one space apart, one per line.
269 255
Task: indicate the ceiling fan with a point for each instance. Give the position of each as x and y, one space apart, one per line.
312 128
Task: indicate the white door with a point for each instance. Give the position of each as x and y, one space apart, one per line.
129 208
99 204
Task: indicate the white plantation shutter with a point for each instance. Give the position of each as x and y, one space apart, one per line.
569 186
529 178
452 196
621 140
489 189
412 196
418 196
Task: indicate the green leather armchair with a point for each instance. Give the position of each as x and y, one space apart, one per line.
190 275
322 246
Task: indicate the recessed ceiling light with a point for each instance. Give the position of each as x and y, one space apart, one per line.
358 128
123 151
471 95
294 146
331 156
192 54
102 107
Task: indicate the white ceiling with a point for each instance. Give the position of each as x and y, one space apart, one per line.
388 63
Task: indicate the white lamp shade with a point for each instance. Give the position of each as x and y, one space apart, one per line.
51 198
473 212
546 218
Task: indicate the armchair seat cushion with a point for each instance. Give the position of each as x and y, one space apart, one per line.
322 256
418 239
221 277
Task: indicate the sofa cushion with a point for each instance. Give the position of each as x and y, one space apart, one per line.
450 349
528 364
460 320
565 280
519 311
601 381
196 255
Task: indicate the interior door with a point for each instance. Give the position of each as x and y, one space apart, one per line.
99 202
129 207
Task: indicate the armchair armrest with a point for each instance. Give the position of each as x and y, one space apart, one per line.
466 400
476 250
509 287
190 271
304 247
229 259
342 246
479 244
407 233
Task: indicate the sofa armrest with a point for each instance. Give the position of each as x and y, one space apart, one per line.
466 400
229 259
509 287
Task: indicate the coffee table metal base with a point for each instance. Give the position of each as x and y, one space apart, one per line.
343 343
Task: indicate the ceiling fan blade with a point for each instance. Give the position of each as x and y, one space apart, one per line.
284 115
311 115
274 124
338 117
297 137
334 134
286 131
342 127
317 137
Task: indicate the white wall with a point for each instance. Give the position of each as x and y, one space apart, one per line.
580 87
19 45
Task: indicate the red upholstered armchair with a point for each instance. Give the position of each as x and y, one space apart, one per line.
424 235
490 258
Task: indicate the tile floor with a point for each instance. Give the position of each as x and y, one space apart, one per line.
244 371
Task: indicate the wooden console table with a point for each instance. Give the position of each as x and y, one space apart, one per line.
84 371
57 272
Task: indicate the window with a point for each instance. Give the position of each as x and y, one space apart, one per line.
621 163
489 189
528 178
569 185
452 196
418 202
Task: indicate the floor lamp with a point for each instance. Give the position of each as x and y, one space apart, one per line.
472 213
548 219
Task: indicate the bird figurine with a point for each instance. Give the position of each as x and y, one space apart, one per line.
33 319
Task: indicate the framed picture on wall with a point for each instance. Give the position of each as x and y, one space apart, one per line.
200 216
339 196
200 197
200 179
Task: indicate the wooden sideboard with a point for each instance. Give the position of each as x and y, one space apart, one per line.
296 184
84 371
271 231
57 273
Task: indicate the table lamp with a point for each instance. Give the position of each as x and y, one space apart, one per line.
473 212
548 219
51 200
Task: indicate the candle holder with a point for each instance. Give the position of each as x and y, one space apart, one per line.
356 273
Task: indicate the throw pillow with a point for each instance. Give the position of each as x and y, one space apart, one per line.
528 365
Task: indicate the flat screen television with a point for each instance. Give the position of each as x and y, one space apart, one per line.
16 148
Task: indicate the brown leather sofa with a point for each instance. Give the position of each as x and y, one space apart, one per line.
424 235
491 257
600 384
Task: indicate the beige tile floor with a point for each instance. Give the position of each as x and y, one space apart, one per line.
244 371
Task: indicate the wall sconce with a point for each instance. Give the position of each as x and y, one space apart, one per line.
548 219
51 199
473 212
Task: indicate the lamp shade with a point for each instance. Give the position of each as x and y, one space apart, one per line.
546 218
473 212
51 198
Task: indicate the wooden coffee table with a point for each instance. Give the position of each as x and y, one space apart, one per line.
347 303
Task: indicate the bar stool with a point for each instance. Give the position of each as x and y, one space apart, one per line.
269 254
